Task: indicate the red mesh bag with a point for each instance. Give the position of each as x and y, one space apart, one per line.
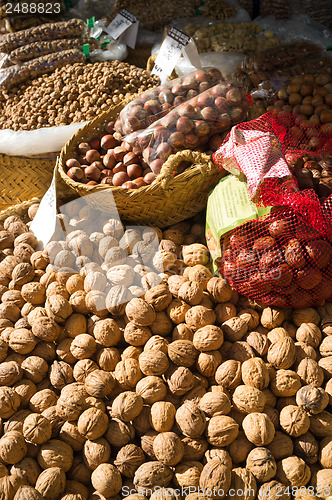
284 259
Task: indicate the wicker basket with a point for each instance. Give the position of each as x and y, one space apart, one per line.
168 200
24 177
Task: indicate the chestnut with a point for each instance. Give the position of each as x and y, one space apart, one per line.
152 106
209 114
134 170
109 160
92 173
82 160
106 180
164 150
221 104
178 100
108 142
95 143
129 159
201 128
203 87
92 183
140 182
119 152
176 140
215 142
109 127
83 148
201 75
191 141
129 185
184 124
98 164
205 100
149 177
75 173
119 178
106 173
156 166
119 167
161 134
92 155
186 110
72 163
166 96
234 97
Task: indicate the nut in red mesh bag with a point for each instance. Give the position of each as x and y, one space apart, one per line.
285 259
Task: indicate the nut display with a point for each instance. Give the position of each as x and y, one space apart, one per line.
179 384
153 104
314 173
73 93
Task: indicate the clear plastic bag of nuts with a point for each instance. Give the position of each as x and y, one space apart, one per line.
156 103
190 125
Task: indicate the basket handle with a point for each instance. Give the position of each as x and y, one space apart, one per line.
172 163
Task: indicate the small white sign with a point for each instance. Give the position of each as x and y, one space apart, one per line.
43 224
125 25
175 44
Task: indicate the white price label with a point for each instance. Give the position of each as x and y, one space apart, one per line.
43 224
170 52
124 24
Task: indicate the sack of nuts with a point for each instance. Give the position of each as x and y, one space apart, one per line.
283 258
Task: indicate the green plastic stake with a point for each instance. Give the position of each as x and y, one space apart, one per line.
86 50
90 22
104 43
329 47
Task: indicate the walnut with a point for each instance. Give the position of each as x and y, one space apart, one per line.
70 434
294 420
312 399
162 416
99 383
306 315
23 273
58 308
322 481
128 459
12 447
61 374
168 448
215 475
195 254
51 483
153 362
228 374
117 298
214 404
56 288
272 318
293 471
152 474
310 334
194 449
42 400
182 352
321 424
119 433
127 405
198 273
34 368
285 383
258 428
187 474
208 338
46 329
92 423
255 373
247 399
174 284
208 362
273 490
190 419
180 380
310 372
83 346
37 429
96 452
96 303
10 371
281 446
152 389
199 316
325 347
127 372
191 292
307 448
221 430
177 310
243 480
281 354
261 463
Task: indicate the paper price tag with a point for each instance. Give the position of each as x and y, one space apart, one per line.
175 44
43 224
124 24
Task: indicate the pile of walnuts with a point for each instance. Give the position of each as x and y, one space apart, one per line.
117 378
